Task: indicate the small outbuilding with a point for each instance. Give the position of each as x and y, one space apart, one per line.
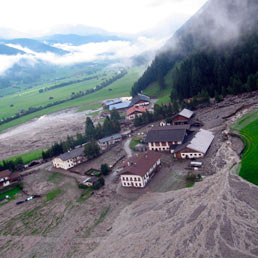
106 142
183 117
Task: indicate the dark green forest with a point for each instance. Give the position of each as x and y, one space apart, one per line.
228 70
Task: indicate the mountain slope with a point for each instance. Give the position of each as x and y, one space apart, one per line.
36 46
77 40
218 23
6 50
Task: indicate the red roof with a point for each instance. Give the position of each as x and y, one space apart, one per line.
134 109
5 173
140 165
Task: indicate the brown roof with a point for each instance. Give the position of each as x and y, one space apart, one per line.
14 176
5 173
140 165
134 109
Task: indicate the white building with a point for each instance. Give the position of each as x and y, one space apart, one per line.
138 170
197 147
164 138
69 159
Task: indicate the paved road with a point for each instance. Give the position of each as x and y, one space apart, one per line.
127 148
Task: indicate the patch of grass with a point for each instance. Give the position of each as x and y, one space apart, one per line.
134 142
86 195
189 183
27 157
53 194
55 177
163 95
11 193
98 221
247 127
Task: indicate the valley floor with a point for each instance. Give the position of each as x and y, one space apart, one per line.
215 218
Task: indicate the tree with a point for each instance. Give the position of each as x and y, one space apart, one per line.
90 131
92 150
105 169
114 115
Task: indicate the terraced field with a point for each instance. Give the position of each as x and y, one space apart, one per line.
247 126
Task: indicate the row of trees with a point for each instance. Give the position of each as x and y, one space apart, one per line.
73 96
160 112
62 147
10 164
110 126
63 84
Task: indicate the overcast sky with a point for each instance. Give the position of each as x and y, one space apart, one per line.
38 17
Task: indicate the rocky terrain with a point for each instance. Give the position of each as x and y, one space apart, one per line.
216 218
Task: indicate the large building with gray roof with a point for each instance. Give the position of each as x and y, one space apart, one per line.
69 159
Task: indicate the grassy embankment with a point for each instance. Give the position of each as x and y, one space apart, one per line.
163 95
247 127
92 101
27 157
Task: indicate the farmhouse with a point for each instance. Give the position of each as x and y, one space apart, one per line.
133 111
140 100
197 147
138 170
104 143
69 159
7 178
121 107
108 103
183 117
166 138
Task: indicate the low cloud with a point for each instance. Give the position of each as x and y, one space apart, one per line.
110 50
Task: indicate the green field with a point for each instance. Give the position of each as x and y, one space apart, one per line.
92 101
163 95
27 157
247 126
11 193
12 104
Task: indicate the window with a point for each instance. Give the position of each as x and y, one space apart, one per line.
136 184
140 184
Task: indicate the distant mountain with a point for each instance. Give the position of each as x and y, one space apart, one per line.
36 46
217 24
5 50
77 40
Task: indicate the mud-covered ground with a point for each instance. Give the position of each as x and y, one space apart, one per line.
215 218
41 132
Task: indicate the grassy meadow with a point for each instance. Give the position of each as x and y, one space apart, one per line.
247 126
163 95
92 101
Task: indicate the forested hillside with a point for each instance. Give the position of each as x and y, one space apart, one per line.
230 70
215 49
